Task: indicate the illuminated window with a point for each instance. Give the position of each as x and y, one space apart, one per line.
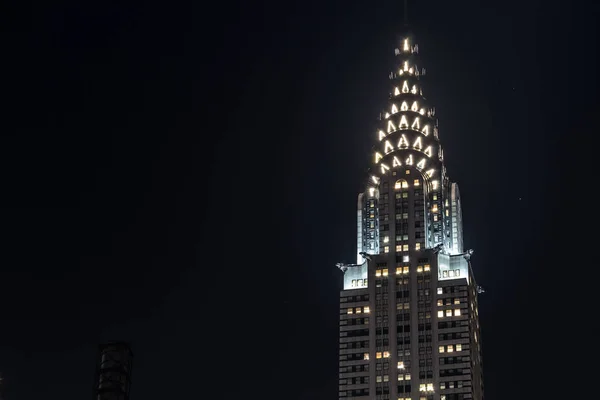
353 282
441 349
378 378
386 249
435 217
365 356
422 387
400 364
401 184
430 387
440 313
398 269
419 268
400 377
426 268
405 195
365 282
457 271
457 312
440 302
427 314
405 269
457 301
417 182
384 272
443 397
443 386
405 258
358 310
418 246
398 247
448 313
408 172
434 196
378 354
404 215
386 239
378 273
350 311
404 247
386 354
407 377
367 309
440 290
434 208
386 378
459 347
450 348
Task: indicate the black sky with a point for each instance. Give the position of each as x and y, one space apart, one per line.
184 176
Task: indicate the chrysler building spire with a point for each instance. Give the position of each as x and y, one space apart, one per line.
409 323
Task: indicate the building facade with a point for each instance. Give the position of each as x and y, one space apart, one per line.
409 326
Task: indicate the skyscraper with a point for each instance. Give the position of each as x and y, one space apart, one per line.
409 326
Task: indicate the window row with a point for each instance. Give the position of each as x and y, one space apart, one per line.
354 381
448 313
456 384
426 387
354 368
449 301
452 273
353 299
359 283
358 310
450 348
354 321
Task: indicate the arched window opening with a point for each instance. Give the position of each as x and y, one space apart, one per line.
401 184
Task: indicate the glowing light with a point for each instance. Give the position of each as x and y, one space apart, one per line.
410 70
406 48
396 92
434 185
406 65
371 192
403 122
403 142
394 109
388 147
414 106
375 179
405 87
427 151
400 72
396 162
422 112
384 168
415 124
414 89
377 157
425 130
404 106
381 135
430 172
417 144
409 160
391 127
421 164
387 115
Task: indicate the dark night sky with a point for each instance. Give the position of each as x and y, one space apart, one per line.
184 176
